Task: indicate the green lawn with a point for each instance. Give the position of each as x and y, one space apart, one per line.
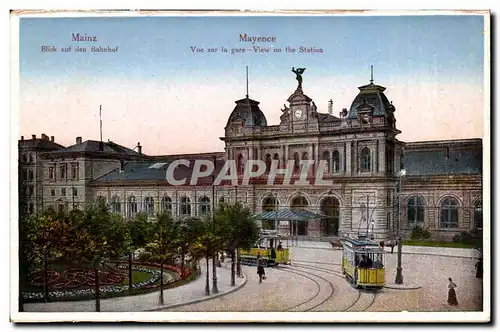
425 243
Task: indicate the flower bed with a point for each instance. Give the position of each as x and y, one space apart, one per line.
79 277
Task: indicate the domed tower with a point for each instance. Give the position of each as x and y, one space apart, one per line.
246 114
371 112
245 120
371 103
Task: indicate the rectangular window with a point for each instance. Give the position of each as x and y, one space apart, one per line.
31 190
63 169
75 192
52 192
52 173
388 225
63 191
74 171
25 175
30 175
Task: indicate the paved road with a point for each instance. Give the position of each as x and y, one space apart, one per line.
307 286
314 283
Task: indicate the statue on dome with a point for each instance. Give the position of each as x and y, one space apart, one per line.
298 72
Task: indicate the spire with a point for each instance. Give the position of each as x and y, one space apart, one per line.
247 81
371 77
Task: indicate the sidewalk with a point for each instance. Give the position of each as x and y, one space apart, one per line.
412 250
186 294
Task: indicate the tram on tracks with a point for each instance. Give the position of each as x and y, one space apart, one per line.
271 250
363 263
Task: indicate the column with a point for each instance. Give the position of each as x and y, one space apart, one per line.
259 153
286 152
381 157
348 158
311 155
250 152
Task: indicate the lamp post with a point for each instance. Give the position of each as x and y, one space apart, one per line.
215 289
399 269
276 213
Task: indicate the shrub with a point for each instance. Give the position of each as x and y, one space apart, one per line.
475 238
420 234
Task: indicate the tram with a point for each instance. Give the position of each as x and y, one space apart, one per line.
271 250
363 263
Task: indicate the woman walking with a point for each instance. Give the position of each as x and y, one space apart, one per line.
452 295
260 269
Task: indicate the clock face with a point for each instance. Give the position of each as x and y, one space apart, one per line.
298 113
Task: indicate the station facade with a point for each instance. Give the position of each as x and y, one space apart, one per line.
375 180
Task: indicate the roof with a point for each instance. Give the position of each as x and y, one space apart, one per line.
288 214
157 171
326 118
247 110
443 161
92 146
372 96
39 143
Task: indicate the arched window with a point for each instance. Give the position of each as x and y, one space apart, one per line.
330 207
478 215
166 204
185 206
299 227
204 206
116 205
269 203
149 204
415 208
449 213
25 159
268 162
335 161
326 157
132 206
277 157
240 164
365 160
31 159
296 162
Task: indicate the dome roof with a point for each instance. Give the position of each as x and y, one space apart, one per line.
248 110
374 96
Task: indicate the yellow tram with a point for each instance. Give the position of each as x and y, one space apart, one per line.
270 248
363 263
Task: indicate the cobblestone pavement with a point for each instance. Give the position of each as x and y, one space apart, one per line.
314 282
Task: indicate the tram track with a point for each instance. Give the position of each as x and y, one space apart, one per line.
316 295
362 301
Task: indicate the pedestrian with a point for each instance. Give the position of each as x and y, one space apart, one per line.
280 246
479 268
382 243
260 269
452 295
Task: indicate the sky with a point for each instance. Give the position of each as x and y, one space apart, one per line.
155 90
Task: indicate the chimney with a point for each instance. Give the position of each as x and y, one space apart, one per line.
139 147
45 137
79 140
52 139
122 166
22 138
33 136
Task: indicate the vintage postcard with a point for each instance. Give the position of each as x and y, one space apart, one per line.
250 166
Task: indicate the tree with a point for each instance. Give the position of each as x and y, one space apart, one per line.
100 236
189 231
209 241
44 238
139 232
240 229
162 242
